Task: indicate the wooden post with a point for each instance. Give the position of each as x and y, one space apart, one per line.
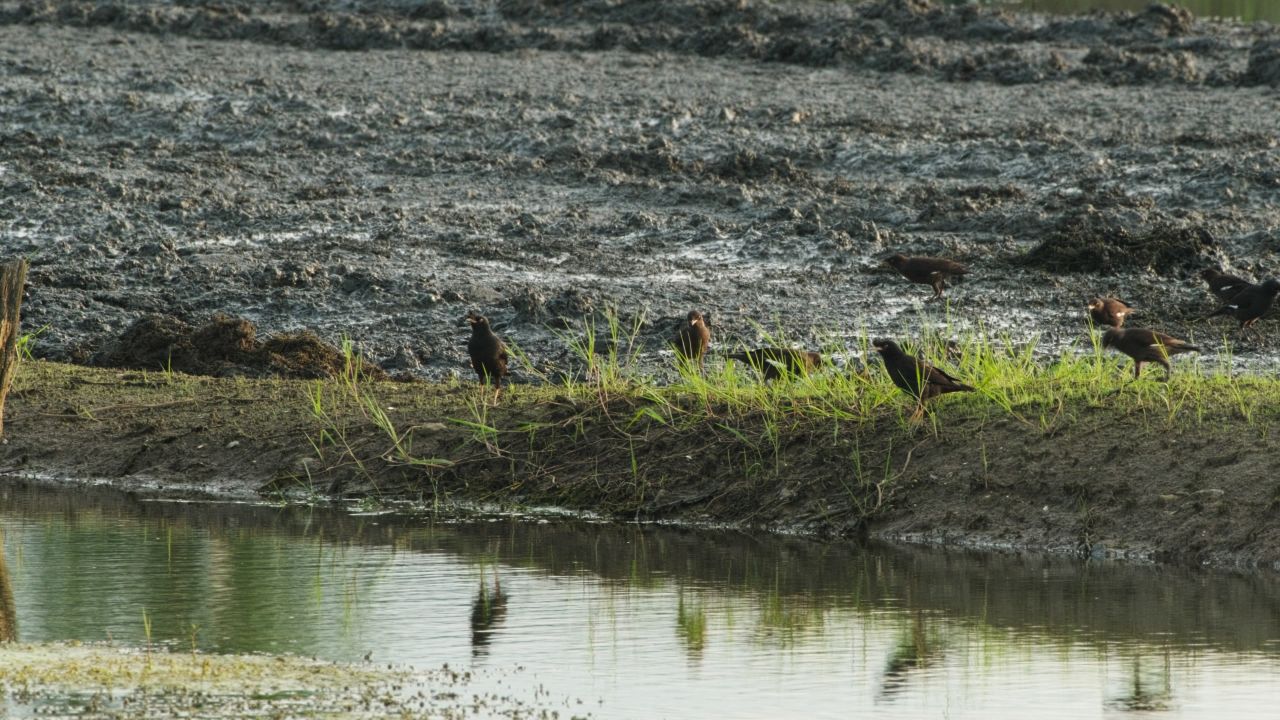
13 276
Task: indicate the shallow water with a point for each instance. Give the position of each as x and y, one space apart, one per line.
644 621
1247 10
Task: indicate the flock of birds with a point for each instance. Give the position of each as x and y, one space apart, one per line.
1240 298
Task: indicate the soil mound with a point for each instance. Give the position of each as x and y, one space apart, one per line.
227 346
1092 243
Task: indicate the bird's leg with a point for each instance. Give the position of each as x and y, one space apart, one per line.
1168 371
1137 369
918 414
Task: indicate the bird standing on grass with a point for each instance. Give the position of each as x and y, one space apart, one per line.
1146 346
926 271
1109 311
1250 303
692 339
488 352
774 363
915 376
1222 285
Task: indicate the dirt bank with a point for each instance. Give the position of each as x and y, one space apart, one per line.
377 169
1125 476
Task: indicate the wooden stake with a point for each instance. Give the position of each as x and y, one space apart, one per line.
13 276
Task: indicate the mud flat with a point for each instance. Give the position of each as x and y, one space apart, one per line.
375 170
1182 471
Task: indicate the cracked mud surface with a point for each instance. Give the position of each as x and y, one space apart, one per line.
377 169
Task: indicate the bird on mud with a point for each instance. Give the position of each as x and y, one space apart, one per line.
1250 304
1224 286
776 363
930 271
1146 346
915 376
692 339
488 352
1109 311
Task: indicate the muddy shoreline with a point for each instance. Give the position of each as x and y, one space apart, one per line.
374 170
1118 479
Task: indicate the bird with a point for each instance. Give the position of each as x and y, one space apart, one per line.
1146 346
1222 285
1109 311
774 363
692 339
1250 303
915 376
488 352
926 270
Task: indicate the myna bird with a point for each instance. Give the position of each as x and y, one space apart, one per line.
693 338
1146 346
1109 311
1222 285
774 363
926 270
1250 303
487 351
915 376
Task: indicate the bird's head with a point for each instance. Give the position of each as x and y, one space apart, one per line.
476 320
1209 274
694 318
1096 304
1111 337
895 260
884 344
1272 286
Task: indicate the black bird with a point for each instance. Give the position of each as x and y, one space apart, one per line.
1146 346
774 363
488 352
1222 285
915 376
926 270
1250 303
693 338
1109 311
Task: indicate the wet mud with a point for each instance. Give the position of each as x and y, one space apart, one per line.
376 170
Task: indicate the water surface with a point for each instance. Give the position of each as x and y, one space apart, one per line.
649 622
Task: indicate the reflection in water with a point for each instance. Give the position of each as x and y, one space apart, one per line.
1147 691
487 612
8 611
691 624
763 624
917 650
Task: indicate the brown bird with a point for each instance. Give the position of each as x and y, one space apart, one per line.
1146 346
915 376
693 338
1222 285
488 352
1109 311
1250 303
774 363
926 270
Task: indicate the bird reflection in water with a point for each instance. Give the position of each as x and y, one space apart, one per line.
487 612
916 651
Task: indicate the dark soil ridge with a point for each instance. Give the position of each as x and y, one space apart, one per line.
1101 481
966 42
